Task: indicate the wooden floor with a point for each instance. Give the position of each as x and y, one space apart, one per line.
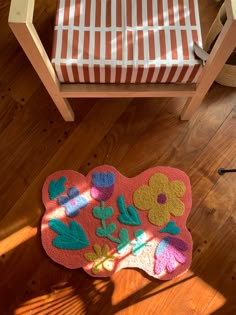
132 135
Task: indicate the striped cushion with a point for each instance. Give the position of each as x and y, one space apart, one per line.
126 41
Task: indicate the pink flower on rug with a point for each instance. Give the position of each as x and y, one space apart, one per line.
102 185
169 254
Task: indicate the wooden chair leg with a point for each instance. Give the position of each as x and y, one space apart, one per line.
20 21
221 51
63 106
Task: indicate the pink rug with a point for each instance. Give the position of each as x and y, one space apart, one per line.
104 221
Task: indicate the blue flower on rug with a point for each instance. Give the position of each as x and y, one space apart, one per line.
102 185
73 202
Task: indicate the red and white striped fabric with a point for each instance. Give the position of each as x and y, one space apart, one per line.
126 41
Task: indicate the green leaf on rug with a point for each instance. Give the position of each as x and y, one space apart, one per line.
70 237
56 187
128 215
171 228
140 242
103 213
124 240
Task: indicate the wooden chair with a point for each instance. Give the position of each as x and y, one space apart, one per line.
21 23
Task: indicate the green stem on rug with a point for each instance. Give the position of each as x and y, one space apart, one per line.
103 213
109 236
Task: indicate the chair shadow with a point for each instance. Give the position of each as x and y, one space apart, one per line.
41 286
47 287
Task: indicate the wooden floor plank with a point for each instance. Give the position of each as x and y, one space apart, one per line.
72 153
175 143
31 134
220 152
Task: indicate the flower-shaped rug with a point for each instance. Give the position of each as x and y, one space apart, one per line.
104 221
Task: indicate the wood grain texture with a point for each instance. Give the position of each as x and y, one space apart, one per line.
132 135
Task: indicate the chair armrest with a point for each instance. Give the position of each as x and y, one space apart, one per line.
231 9
21 11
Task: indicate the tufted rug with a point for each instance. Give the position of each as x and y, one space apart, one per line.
104 221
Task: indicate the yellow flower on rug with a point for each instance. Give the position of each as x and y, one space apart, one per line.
161 198
100 258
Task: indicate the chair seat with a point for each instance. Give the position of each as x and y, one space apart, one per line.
126 41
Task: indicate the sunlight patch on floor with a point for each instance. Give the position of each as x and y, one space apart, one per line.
17 238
